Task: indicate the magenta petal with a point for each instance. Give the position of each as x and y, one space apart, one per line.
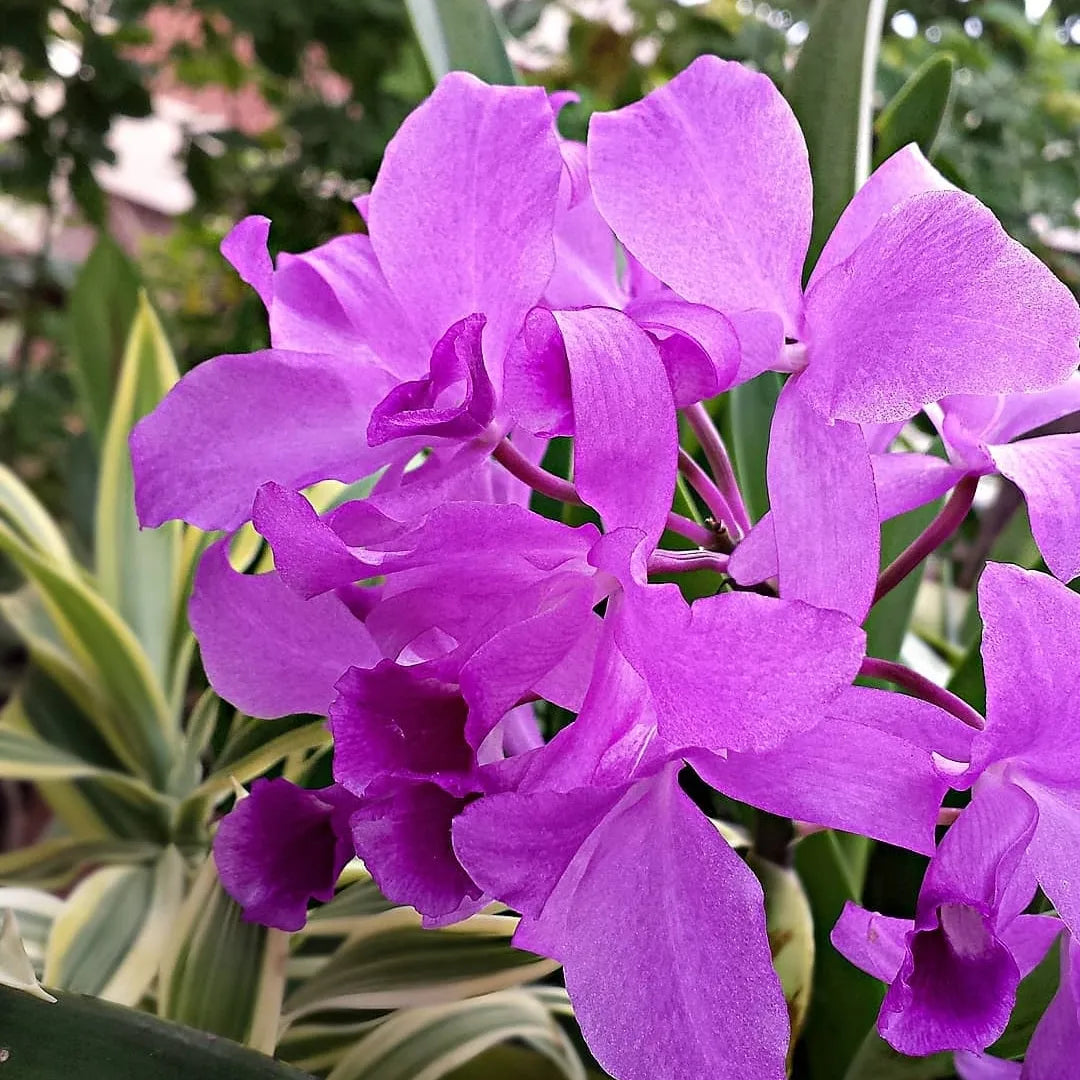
266 650
245 248
1047 471
905 174
335 299
1029 938
873 943
761 341
515 661
461 213
904 481
662 929
455 400
398 722
824 507
309 556
985 1067
820 776
403 838
1031 639
236 422
626 435
699 346
937 300
537 378
282 846
737 671
707 182
1052 1052
1055 849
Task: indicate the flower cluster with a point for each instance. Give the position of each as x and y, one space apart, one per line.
513 289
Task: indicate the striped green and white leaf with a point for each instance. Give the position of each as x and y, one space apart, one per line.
220 973
406 966
20 508
429 1043
353 910
110 936
17 967
54 864
138 724
138 571
35 910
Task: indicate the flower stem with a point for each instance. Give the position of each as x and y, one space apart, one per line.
555 487
709 492
719 461
921 687
680 562
932 537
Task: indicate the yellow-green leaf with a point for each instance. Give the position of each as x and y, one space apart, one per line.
114 929
138 570
20 507
54 864
220 973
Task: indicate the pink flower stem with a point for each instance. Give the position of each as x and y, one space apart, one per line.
555 487
681 562
709 492
921 687
716 455
950 518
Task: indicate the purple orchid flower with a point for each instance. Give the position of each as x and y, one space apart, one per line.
1021 828
400 335
918 294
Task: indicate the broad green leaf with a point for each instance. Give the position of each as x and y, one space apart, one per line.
519 1062
751 411
138 725
406 966
877 1060
831 89
138 570
54 864
319 1046
84 1038
35 911
916 114
115 926
222 974
429 1043
351 909
845 1001
20 507
101 307
198 731
16 968
461 35
888 620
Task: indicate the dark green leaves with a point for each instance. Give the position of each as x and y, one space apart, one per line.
917 112
461 35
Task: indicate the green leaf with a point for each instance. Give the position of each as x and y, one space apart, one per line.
114 928
20 507
139 725
16 968
831 89
462 35
138 570
426 1044
877 1060
350 910
54 864
916 114
845 1001
94 1040
751 412
34 910
220 973
404 966
101 307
